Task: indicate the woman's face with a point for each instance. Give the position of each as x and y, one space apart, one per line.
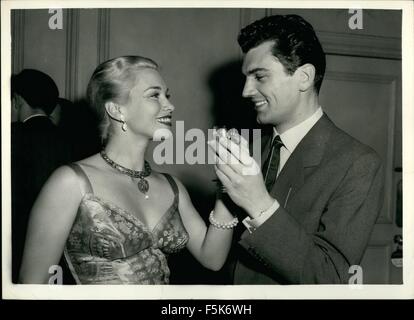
148 112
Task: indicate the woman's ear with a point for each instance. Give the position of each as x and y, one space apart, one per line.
113 110
306 76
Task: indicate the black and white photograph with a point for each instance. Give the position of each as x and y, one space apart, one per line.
207 150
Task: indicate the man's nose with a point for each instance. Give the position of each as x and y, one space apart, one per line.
249 89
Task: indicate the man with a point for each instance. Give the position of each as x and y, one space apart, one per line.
313 207
37 148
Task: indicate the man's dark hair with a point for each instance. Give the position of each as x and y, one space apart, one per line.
295 43
37 89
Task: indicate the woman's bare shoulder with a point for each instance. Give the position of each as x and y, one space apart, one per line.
93 161
63 178
93 165
66 174
62 186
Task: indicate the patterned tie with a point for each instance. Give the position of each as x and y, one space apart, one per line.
271 165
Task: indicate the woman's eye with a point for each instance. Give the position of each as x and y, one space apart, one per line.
259 77
155 95
168 96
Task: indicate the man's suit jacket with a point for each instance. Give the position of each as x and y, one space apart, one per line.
37 149
329 193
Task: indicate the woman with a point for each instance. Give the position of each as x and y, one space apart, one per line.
114 218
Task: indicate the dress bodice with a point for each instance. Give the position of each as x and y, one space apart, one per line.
109 245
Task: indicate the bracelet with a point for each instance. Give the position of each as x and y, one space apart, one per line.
215 223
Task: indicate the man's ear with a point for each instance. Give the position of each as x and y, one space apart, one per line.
113 110
17 101
15 108
306 74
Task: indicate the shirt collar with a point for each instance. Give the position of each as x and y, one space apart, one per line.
294 135
34 115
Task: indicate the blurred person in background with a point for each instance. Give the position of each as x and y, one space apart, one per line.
37 148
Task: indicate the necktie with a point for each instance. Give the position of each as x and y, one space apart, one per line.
271 165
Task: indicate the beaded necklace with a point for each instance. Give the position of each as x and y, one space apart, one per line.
143 185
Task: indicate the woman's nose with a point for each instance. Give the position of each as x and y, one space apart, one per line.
169 106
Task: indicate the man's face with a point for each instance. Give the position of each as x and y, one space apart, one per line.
274 93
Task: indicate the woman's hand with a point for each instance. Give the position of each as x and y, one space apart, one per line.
241 175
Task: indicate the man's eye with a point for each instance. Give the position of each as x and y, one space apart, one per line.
259 77
155 95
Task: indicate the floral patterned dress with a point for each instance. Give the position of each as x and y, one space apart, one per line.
109 245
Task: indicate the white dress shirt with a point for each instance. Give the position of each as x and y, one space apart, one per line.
290 139
294 135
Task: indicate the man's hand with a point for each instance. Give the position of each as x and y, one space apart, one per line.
240 175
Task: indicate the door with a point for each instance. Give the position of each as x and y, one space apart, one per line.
363 97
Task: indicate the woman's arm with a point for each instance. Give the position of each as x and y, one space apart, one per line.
50 222
209 245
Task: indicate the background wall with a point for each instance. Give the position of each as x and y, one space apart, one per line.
200 61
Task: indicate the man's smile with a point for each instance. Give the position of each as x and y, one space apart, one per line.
259 104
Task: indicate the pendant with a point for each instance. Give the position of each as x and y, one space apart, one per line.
143 187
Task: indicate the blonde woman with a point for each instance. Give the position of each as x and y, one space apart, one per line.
114 219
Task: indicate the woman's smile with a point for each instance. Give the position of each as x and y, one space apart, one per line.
166 120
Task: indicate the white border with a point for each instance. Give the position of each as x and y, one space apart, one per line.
156 292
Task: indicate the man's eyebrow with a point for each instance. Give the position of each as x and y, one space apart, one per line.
256 70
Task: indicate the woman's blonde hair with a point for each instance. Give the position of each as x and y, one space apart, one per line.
112 81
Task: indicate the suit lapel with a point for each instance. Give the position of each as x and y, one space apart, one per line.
290 179
307 154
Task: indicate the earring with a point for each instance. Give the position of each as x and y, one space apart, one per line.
124 125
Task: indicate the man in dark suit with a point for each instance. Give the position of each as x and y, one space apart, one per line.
312 208
37 148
